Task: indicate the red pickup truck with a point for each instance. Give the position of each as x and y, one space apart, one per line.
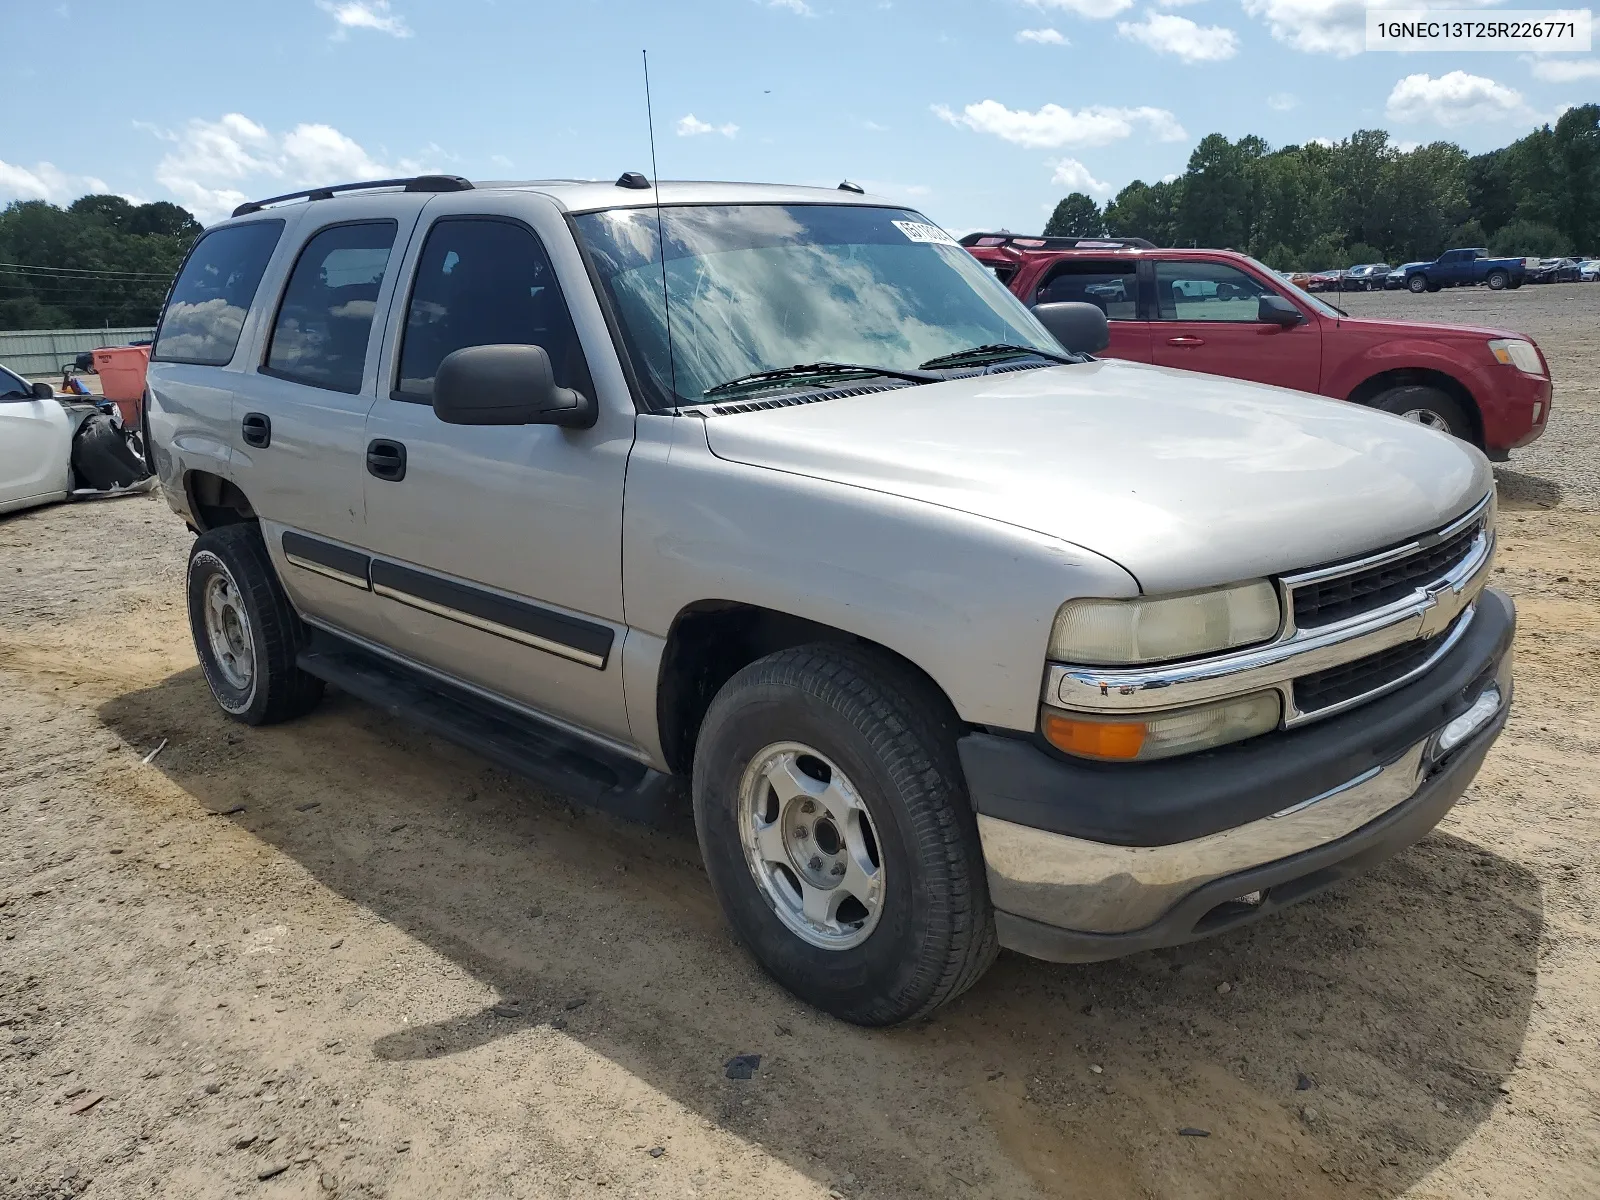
1226 314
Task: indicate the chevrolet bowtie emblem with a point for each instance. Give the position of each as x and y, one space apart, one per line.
1438 614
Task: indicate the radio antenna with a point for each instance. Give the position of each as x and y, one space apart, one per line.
661 236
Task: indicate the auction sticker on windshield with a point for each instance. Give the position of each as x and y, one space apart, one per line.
921 231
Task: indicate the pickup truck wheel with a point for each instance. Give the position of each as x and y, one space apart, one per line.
1426 406
246 634
836 831
1497 280
1417 284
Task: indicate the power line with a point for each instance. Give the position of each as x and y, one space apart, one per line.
32 267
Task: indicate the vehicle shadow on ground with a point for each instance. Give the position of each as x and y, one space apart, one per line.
1520 491
1348 1046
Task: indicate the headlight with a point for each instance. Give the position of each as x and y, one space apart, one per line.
1112 632
1139 737
1518 354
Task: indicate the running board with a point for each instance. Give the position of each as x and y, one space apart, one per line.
535 749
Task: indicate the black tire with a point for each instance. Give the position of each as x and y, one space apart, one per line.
1497 280
274 688
1444 409
101 456
1417 284
894 738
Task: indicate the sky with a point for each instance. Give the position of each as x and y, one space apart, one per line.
982 114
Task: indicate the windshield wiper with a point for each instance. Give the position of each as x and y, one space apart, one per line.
989 351
816 370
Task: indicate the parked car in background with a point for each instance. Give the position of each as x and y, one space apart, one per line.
1555 270
1465 268
1226 314
1589 270
1397 277
956 637
1325 281
56 448
1365 277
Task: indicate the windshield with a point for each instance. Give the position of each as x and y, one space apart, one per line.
1300 293
756 287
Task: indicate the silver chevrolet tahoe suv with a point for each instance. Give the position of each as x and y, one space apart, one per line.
958 637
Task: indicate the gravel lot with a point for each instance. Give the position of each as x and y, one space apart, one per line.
339 959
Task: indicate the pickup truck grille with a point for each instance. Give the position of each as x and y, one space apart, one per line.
1332 600
1324 689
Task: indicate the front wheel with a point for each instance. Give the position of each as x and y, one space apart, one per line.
1427 406
246 634
1418 284
837 834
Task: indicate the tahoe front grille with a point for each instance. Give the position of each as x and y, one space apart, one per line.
1324 689
1333 600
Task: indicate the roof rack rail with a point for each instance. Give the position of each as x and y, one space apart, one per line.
411 183
1024 241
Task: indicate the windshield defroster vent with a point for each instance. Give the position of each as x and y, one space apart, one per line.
744 406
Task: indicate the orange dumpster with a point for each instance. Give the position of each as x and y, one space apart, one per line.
122 371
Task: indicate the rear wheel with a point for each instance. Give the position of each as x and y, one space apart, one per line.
1497 280
246 634
1417 284
1427 406
837 833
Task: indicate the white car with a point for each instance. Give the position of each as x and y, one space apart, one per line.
1589 270
37 452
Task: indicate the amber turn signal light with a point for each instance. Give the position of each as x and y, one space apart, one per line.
1094 739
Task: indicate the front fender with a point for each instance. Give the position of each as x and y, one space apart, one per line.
1406 353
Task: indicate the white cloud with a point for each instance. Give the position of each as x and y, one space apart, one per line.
1563 70
1327 143
874 127
1095 10
1282 101
1053 126
1170 177
43 181
364 14
1176 3
209 163
798 7
1070 173
1182 38
1454 99
1043 37
692 126
500 160
1337 27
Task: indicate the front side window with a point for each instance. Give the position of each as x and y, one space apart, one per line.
206 311
485 282
1112 287
325 319
1203 291
753 288
14 387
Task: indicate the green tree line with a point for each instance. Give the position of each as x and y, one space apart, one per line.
100 261
1364 199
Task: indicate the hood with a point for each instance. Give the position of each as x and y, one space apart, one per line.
1430 330
1186 480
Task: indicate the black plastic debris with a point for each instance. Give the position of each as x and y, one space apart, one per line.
741 1066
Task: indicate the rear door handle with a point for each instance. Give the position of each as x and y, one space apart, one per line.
386 459
1186 340
257 430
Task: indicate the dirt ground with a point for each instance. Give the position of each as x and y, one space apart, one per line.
335 958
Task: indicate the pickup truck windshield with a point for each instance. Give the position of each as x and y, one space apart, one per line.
758 287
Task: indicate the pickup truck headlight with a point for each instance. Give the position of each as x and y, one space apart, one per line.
1140 737
1521 355
1146 630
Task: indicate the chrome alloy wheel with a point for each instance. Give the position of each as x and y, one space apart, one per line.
228 630
810 843
1426 416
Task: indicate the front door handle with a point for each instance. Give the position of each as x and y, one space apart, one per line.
386 459
257 430
1186 340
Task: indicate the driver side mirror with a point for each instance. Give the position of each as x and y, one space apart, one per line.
507 385
43 391
1275 310
1080 328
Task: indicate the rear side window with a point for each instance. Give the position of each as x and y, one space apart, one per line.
1113 287
325 319
485 282
213 293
